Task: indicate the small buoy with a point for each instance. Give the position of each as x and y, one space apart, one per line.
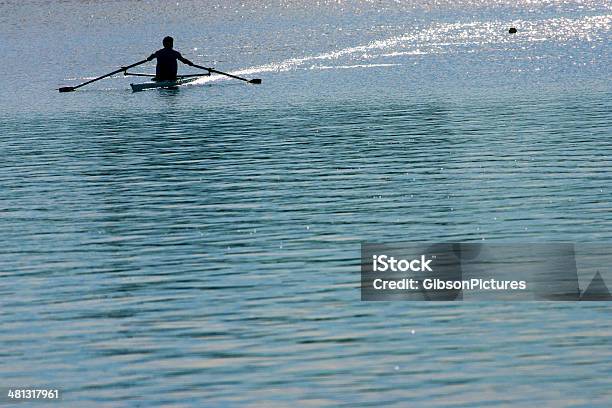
512 30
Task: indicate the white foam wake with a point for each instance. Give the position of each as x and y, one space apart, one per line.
442 38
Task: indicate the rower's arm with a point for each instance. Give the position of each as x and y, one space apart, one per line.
185 60
152 57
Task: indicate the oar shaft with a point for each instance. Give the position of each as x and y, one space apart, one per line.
228 75
109 74
222 73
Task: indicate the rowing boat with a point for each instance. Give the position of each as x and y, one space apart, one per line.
161 84
181 80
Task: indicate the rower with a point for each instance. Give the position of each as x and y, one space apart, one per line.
166 69
166 61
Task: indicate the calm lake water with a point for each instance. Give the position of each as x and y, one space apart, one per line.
200 247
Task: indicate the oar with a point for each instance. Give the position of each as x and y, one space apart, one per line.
252 81
72 88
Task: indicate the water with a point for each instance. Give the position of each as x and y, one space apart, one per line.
200 247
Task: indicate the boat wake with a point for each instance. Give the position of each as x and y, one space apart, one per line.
442 38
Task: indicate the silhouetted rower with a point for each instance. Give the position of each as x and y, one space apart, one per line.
166 61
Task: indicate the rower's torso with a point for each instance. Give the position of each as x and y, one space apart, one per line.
166 64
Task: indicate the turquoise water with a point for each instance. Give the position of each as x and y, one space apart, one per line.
200 247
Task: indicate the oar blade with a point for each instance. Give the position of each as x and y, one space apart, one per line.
256 81
66 89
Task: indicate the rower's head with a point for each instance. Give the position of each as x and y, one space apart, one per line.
168 42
